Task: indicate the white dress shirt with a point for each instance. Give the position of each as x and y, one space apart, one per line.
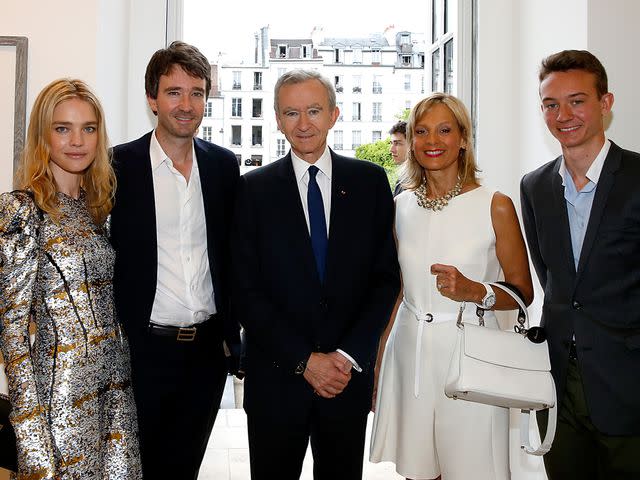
184 289
323 177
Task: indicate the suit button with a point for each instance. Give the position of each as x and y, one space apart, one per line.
577 305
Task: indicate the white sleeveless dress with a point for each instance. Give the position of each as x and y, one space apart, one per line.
416 426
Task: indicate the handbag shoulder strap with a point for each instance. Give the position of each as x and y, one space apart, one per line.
525 438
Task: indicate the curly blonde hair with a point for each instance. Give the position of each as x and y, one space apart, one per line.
411 172
35 174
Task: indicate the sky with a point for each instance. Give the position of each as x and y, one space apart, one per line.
215 26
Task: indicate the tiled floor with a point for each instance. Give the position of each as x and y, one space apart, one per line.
227 456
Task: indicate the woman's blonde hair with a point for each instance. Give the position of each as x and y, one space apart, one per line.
411 172
35 174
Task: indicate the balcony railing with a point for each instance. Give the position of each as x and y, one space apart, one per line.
337 146
376 118
377 89
237 85
257 86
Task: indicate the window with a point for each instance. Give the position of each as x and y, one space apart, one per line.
337 140
377 112
448 67
208 109
355 141
377 84
256 136
356 117
282 51
435 70
257 108
357 55
239 159
236 107
206 133
375 56
257 80
307 51
339 105
254 161
280 147
357 83
237 82
236 135
376 135
407 83
406 60
405 39
338 55
337 81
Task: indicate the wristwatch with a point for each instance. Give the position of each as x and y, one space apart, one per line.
489 300
300 368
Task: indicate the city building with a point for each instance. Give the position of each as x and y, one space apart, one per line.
376 78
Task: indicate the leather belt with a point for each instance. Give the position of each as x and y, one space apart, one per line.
180 334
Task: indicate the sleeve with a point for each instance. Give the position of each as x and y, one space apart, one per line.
529 223
19 223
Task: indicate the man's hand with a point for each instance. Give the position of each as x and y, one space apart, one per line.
326 373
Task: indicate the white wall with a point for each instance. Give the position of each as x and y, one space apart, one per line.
107 43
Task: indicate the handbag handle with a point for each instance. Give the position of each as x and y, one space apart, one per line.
513 292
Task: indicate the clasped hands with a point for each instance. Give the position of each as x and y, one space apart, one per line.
328 373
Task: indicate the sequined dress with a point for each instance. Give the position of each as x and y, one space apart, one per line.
73 409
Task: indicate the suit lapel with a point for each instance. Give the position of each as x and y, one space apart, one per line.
340 217
605 183
560 206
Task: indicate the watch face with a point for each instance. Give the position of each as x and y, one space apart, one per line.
489 301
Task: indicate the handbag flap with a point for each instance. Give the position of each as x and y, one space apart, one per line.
505 348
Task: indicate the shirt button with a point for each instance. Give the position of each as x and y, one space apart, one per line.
576 305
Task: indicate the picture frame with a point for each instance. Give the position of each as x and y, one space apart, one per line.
18 45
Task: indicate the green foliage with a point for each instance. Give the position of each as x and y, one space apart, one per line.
378 152
404 115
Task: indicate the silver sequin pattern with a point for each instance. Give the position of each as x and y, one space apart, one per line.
73 409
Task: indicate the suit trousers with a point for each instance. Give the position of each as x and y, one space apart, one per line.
178 387
277 446
579 450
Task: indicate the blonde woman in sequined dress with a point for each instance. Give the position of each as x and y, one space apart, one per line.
73 409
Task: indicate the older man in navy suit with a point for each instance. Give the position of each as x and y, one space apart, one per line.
315 276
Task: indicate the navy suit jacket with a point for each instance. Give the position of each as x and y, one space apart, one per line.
286 311
599 302
134 236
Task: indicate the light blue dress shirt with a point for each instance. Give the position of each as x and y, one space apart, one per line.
579 203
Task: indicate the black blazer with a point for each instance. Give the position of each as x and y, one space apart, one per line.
600 302
133 230
287 313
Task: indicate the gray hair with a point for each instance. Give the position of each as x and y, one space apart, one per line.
298 76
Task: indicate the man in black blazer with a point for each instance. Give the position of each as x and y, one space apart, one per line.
582 220
170 229
315 276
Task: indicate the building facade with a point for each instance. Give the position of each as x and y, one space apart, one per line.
376 79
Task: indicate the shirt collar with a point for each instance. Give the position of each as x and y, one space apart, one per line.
593 174
158 156
300 167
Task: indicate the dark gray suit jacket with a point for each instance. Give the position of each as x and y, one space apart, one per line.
599 302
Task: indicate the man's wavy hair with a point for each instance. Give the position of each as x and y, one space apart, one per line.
35 174
411 172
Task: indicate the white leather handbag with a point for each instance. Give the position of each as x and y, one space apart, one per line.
504 369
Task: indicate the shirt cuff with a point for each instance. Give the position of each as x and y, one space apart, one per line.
355 365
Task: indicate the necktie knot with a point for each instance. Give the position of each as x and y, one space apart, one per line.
313 171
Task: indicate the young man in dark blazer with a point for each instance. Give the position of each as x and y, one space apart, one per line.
170 230
581 215
315 277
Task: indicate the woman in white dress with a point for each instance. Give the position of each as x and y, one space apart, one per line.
453 235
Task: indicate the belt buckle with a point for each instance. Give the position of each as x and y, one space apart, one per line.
186 334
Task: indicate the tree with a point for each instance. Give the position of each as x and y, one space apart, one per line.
378 152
